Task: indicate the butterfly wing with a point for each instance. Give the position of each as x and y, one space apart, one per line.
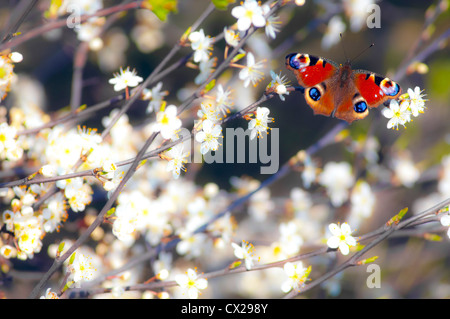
365 90
313 74
374 88
352 108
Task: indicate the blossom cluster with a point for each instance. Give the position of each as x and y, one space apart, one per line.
400 113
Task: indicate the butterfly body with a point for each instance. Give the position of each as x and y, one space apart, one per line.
337 90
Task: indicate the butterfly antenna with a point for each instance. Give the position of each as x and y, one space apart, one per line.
343 48
362 52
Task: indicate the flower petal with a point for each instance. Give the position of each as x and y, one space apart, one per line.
216 130
238 12
204 148
289 269
445 220
334 229
244 24
351 241
201 283
258 21
345 228
181 280
286 286
200 136
387 112
343 248
333 242
193 293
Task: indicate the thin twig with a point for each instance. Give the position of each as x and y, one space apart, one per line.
27 6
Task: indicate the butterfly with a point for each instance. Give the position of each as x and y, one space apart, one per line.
337 90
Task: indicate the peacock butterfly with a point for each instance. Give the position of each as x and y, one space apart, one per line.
337 90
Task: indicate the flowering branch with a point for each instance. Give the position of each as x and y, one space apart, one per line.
285 169
169 213
382 233
57 263
379 235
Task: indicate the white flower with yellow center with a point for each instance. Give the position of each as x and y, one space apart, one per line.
82 268
191 283
125 79
208 112
251 72
223 100
297 275
341 238
8 251
278 85
9 148
397 114
108 169
28 233
201 44
55 212
248 13
231 37
259 124
167 122
245 252
416 101
271 23
177 160
209 136
80 198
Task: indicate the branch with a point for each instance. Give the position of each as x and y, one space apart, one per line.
25 6
381 234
